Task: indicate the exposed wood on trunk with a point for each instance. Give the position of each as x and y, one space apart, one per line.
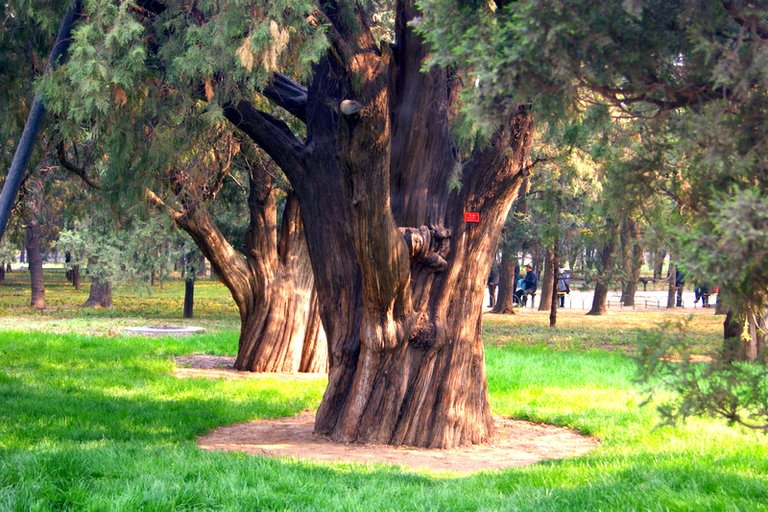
271 283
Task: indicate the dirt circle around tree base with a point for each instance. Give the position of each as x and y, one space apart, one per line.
517 443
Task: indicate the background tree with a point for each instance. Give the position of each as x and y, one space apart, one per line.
696 68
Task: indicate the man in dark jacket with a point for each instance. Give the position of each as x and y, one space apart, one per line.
530 283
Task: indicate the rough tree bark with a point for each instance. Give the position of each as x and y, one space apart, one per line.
399 274
272 284
632 256
607 255
100 294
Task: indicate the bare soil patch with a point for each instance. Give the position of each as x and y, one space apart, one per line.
517 443
222 367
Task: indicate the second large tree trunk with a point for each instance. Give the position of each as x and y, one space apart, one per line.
272 286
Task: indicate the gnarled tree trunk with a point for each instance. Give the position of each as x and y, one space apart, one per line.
272 285
399 274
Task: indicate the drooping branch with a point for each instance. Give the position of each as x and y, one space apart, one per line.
74 169
270 133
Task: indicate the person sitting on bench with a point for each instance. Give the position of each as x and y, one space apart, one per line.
530 283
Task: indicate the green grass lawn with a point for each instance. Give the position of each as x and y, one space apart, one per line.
91 419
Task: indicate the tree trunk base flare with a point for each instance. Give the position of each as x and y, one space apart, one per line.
272 286
100 294
599 300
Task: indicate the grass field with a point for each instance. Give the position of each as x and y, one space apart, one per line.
91 419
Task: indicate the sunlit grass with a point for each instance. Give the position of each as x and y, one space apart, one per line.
99 422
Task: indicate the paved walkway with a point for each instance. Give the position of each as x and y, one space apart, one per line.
643 300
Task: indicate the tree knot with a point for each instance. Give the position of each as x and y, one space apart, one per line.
428 245
423 333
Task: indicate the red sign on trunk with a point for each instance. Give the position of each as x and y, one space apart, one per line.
471 216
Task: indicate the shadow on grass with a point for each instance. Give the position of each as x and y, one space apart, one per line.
99 424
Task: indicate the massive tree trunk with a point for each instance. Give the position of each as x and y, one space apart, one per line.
100 294
35 259
632 256
399 273
272 285
607 255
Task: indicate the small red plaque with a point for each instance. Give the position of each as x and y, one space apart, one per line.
471 216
